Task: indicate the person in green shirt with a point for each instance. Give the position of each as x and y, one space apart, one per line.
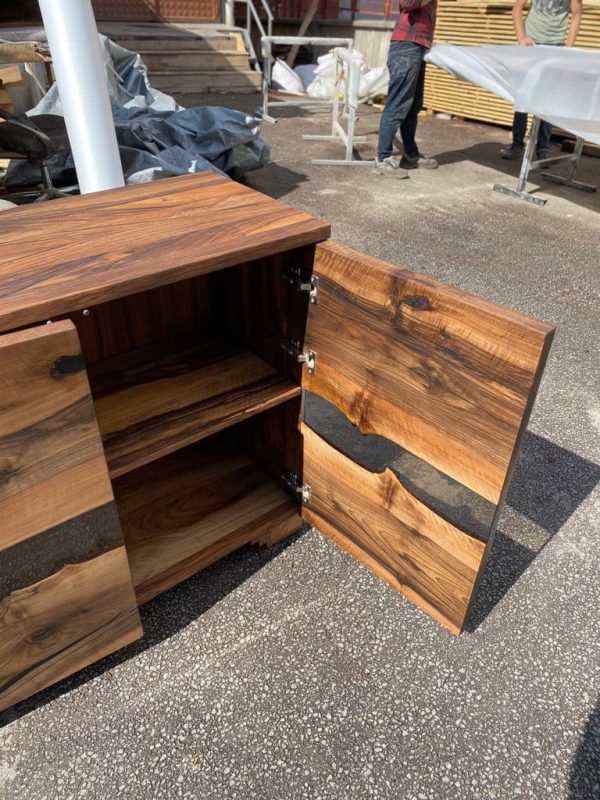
546 23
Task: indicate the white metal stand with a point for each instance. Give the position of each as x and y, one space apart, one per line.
348 81
267 55
528 164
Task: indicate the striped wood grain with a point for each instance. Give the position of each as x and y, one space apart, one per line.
422 555
66 597
111 244
447 376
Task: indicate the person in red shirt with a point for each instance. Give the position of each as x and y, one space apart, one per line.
411 39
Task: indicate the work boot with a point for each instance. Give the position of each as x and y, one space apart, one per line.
418 162
515 150
388 167
541 155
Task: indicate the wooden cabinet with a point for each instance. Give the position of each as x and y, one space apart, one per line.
159 421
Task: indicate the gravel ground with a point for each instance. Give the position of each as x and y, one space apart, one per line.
295 673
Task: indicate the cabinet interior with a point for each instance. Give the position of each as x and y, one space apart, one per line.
198 404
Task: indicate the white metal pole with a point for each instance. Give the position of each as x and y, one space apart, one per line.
79 69
229 12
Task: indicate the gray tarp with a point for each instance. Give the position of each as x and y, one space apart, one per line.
157 137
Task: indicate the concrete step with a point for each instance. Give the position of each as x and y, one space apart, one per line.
179 82
182 45
193 60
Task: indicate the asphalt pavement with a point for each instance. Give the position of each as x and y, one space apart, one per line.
295 673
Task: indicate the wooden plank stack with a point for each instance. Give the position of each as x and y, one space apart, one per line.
472 22
10 77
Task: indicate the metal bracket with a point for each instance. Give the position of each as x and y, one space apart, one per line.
301 489
294 277
292 347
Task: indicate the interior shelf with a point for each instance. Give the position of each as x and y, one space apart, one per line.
187 510
160 398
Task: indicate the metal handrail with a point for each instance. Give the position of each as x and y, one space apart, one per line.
253 16
270 17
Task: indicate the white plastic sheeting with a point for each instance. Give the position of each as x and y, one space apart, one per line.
560 85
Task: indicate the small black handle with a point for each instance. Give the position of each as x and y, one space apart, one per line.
67 365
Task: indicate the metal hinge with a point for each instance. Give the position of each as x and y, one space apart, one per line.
292 346
310 284
301 489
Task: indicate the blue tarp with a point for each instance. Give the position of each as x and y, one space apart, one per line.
157 137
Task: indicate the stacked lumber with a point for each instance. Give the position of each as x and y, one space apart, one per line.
10 77
473 22
189 60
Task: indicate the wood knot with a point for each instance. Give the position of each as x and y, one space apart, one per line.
418 302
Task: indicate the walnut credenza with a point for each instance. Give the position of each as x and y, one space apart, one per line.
159 348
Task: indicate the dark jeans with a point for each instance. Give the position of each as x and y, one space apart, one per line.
520 126
404 100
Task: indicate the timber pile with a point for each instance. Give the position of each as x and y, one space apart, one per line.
10 77
188 60
472 22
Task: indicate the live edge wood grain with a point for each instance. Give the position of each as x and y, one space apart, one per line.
56 505
446 375
190 509
65 622
51 458
380 523
160 398
76 252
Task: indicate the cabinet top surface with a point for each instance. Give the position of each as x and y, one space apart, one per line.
61 256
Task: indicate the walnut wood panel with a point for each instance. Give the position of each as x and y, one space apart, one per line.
192 508
273 309
448 376
76 252
133 322
273 440
66 597
382 524
51 456
65 622
160 398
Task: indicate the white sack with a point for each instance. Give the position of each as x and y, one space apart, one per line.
306 73
321 88
284 77
374 82
558 84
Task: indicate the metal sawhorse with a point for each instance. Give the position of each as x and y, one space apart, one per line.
528 164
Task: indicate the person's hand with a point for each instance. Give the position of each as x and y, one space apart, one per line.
526 41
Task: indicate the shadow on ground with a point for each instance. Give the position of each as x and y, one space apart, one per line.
279 180
548 486
164 617
487 154
584 783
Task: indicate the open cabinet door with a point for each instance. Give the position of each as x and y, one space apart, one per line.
66 597
448 380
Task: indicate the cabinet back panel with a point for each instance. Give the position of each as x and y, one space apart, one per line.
130 323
